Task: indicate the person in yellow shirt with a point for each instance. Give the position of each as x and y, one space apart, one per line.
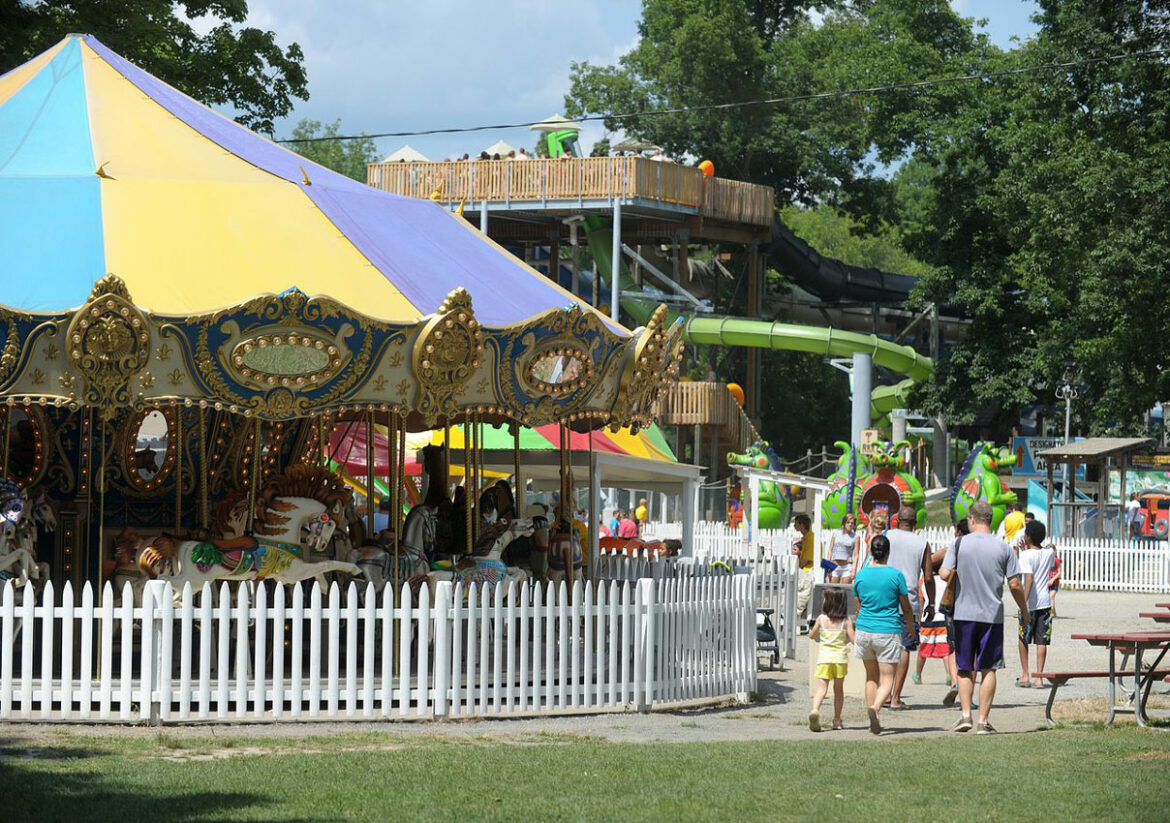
1012 525
804 548
642 515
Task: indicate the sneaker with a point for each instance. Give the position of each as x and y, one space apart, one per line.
984 728
963 724
814 721
875 726
951 696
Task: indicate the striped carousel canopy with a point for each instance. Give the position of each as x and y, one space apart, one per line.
106 169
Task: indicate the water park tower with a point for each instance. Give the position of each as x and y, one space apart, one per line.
640 217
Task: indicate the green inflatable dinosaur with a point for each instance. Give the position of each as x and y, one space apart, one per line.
845 486
889 474
775 498
979 480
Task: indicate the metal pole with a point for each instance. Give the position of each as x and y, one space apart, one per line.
615 262
483 217
862 390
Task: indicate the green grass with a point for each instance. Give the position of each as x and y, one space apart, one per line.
1083 774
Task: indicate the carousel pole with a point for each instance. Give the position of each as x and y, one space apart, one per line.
256 434
102 502
203 508
395 482
519 493
369 474
7 438
468 448
178 469
594 514
447 450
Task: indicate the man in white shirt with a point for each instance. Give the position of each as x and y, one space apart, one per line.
1133 516
1036 563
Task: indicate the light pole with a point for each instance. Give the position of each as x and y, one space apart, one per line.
1068 391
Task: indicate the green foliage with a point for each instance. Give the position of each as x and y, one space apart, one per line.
692 53
834 234
348 157
601 148
1042 209
242 68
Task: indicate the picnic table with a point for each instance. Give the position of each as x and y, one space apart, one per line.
1157 617
1135 644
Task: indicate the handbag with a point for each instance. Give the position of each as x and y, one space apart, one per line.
946 605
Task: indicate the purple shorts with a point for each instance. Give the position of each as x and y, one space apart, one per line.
978 646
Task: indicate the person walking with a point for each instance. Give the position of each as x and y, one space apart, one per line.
881 594
910 554
834 631
982 562
1037 562
842 551
877 525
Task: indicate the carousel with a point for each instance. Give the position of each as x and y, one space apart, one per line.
190 312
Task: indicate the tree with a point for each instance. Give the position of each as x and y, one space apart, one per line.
348 157
1042 209
693 53
241 68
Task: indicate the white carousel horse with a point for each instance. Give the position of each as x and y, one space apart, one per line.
38 514
289 524
16 562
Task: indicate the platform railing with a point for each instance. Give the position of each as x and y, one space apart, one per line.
708 404
578 179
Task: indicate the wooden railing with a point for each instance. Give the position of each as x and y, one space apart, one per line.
708 404
582 178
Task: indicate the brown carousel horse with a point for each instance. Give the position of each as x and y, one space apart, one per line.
631 546
296 513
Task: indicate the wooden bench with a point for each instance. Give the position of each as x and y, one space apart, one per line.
1159 617
1058 679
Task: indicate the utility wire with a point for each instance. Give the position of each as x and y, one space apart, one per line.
770 101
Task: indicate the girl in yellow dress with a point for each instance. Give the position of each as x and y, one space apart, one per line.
834 630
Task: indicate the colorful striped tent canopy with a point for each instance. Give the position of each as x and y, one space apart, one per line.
348 444
106 169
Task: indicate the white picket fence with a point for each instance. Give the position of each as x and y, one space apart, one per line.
776 577
619 646
1089 564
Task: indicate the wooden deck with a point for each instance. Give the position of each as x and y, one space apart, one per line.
708 404
584 180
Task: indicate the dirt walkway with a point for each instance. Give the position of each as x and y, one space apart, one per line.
779 713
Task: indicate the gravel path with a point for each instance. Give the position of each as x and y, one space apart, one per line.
780 712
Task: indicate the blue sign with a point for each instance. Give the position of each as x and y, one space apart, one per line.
1029 465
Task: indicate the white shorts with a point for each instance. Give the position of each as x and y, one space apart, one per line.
842 570
884 648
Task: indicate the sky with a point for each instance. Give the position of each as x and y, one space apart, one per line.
381 66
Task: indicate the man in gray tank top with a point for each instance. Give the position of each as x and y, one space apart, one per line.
910 554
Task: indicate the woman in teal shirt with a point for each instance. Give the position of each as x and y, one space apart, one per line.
883 608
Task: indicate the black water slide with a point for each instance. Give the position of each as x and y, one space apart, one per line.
831 280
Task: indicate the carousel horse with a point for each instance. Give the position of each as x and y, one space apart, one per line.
123 568
38 514
421 526
16 563
296 513
634 546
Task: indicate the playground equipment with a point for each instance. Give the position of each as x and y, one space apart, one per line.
846 485
979 480
775 498
890 488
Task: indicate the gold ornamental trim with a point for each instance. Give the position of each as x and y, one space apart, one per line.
108 344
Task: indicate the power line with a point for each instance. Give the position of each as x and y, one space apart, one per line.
770 101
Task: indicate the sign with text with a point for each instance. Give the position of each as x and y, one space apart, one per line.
1029 465
869 440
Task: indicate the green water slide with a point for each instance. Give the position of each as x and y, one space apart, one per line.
764 334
